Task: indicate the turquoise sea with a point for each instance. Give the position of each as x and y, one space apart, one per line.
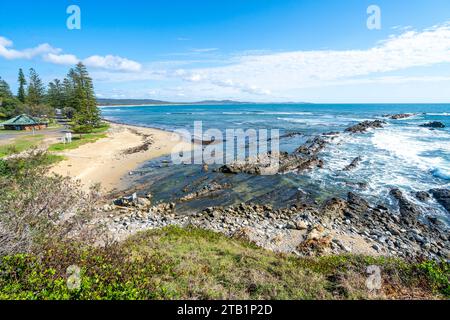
402 154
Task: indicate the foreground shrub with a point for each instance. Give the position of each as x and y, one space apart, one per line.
179 263
438 274
36 206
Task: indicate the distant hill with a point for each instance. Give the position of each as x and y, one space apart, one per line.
132 102
116 102
221 102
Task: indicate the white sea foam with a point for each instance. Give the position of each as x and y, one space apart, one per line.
414 145
265 113
414 154
407 158
287 113
447 114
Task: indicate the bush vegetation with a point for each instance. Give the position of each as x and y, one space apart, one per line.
74 96
36 206
188 263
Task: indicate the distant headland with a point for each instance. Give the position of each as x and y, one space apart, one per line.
138 102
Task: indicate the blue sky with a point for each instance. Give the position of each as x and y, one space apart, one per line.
258 50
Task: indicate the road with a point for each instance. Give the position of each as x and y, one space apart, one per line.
51 134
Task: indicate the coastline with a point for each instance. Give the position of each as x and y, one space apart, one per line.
108 160
143 105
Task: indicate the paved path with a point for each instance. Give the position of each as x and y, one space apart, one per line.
51 133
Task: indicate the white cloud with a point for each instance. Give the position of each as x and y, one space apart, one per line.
272 75
55 55
61 58
8 53
284 72
203 50
110 62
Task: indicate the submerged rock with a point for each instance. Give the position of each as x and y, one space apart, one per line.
365 125
433 124
443 197
206 191
355 162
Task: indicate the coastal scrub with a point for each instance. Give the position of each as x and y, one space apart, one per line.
189 263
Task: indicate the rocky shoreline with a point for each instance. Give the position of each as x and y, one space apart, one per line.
335 226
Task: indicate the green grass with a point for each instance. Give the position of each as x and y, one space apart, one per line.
81 139
77 141
188 263
21 144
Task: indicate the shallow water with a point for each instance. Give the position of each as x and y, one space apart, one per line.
402 155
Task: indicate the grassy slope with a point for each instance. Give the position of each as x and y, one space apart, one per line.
21 144
175 263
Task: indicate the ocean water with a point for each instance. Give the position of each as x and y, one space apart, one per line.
402 154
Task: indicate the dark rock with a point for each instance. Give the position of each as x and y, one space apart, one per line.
304 158
206 142
296 163
433 124
353 164
356 204
365 125
126 201
399 116
332 133
443 197
358 185
208 190
334 208
409 211
290 135
423 196
312 147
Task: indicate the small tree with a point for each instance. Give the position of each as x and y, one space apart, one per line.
55 94
21 95
36 90
8 103
88 115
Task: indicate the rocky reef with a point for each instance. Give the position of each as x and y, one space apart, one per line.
366 125
433 125
335 226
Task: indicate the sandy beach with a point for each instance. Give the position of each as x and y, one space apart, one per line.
107 160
